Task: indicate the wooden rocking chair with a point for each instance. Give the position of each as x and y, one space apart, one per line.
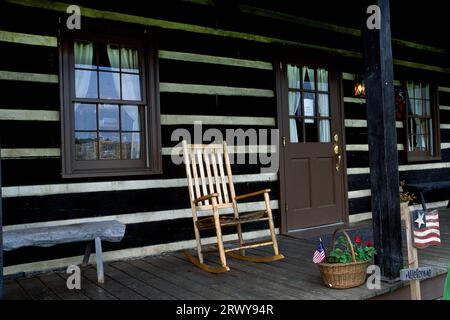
211 189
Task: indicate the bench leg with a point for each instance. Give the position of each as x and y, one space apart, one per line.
87 254
99 260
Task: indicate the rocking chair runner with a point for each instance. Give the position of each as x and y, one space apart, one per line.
211 189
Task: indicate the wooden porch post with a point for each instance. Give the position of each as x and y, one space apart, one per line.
1 231
382 134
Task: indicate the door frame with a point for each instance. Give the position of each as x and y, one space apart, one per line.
281 91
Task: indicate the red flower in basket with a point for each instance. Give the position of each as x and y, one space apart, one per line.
358 240
369 244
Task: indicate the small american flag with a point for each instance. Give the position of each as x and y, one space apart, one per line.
319 254
426 229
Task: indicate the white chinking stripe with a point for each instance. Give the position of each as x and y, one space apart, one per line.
359 194
141 217
29 39
365 147
53 189
29 153
202 58
25 76
29 115
445 145
408 167
445 108
445 126
444 89
170 119
126 253
55 152
166 119
368 215
214 90
354 100
357 123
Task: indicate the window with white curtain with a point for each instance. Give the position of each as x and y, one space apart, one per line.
109 109
422 121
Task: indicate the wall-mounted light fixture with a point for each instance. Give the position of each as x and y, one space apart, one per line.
360 87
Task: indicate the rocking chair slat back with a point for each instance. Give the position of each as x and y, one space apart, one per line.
209 171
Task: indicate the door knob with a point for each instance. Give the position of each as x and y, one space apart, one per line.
337 152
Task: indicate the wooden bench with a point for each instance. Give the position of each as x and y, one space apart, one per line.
112 231
426 187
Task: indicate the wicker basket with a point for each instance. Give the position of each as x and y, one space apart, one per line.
344 275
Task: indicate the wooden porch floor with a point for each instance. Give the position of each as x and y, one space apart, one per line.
170 276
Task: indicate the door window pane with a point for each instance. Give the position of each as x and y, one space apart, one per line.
109 143
293 77
325 131
295 103
311 131
322 79
309 107
85 116
108 117
295 130
324 108
308 78
85 146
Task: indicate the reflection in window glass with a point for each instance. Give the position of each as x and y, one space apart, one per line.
108 117
130 118
109 83
131 146
85 146
109 145
85 116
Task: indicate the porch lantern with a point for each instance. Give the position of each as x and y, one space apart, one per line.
360 87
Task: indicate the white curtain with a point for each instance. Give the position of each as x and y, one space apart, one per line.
294 101
133 113
84 53
310 72
114 60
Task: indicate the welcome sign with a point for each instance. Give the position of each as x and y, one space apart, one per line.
417 273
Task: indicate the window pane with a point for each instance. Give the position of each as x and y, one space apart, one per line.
324 108
108 117
85 146
131 87
109 145
293 76
109 83
325 131
86 84
322 79
85 116
296 130
426 92
108 57
308 78
131 146
84 55
294 104
130 61
309 106
130 118
311 131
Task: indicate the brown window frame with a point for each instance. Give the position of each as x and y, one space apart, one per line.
150 163
423 156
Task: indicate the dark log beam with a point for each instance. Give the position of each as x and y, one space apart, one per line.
383 155
1 232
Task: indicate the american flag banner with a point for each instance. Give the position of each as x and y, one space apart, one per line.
426 229
319 254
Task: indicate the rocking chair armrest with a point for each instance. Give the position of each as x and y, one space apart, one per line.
252 194
207 197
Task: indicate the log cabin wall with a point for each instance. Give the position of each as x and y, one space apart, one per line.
156 208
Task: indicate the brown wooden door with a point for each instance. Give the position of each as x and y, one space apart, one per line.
312 174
